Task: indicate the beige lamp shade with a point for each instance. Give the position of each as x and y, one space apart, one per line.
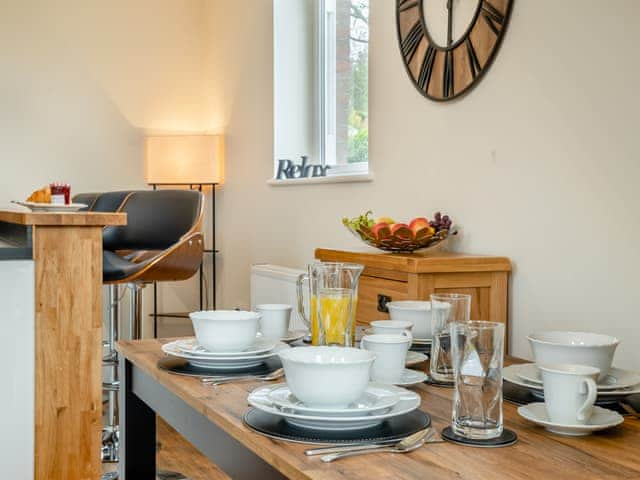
184 159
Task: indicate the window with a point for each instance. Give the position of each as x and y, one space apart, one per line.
321 61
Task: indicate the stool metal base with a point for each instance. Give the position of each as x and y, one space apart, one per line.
109 476
110 445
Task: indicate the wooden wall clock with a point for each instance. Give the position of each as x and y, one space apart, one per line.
470 34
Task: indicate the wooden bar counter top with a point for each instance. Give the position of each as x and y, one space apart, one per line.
537 455
53 309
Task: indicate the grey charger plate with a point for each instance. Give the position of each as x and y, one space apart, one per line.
396 428
180 366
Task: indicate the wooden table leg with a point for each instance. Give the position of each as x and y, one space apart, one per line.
137 431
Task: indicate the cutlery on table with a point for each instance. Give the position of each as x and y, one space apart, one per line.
426 433
222 379
406 445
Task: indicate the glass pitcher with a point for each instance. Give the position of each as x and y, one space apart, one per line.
333 297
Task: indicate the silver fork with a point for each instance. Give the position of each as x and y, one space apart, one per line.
397 449
220 380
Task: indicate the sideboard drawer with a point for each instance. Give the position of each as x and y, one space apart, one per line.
369 291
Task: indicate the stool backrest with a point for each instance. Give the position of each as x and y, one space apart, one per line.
155 220
110 201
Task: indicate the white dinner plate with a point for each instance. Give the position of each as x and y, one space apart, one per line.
408 402
414 358
376 399
52 207
512 374
192 347
225 363
616 379
601 419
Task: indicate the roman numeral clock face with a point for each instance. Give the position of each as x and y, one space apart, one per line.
447 45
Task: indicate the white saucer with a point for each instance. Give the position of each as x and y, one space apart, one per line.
409 401
410 377
600 420
616 379
414 358
192 347
227 363
293 336
512 374
376 399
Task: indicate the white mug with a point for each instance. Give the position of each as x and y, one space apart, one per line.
274 323
391 354
393 327
569 392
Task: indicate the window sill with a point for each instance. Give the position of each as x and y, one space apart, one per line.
352 178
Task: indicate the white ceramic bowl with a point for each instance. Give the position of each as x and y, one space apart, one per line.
327 376
417 312
391 327
225 330
581 348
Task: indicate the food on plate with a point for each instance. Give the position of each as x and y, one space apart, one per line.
40 196
401 230
387 220
381 231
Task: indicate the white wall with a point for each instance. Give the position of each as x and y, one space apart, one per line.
539 163
80 82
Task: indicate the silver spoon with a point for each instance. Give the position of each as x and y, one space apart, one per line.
396 449
275 375
426 433
409 444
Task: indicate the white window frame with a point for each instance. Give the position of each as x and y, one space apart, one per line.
326 105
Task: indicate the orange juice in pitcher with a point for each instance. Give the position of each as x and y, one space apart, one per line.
333 292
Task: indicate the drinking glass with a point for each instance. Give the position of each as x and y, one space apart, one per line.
333 297
477 353
445 309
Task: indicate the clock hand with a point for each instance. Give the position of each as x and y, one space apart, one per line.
449 21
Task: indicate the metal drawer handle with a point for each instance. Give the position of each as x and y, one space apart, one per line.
382 303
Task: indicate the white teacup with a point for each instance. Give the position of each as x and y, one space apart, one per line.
274 321
391 354
569 392
393 327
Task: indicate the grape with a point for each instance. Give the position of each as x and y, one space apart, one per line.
440 222
437 216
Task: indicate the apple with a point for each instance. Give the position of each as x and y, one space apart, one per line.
418 224
381 231
401 230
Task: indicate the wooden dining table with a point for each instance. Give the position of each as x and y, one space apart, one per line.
211 419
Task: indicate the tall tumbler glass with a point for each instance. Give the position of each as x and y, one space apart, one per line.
445 309
477 354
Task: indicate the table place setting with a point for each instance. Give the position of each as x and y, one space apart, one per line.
577 390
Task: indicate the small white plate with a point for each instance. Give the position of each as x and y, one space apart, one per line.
293 336
600 420
616 379
410 377
416 341
376 399
52 207
414 358
409 401
192 347
512 374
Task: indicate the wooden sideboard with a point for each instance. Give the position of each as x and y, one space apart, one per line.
397 276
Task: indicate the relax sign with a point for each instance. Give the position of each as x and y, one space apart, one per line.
287 169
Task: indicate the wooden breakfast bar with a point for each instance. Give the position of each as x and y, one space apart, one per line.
211 419
51 314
